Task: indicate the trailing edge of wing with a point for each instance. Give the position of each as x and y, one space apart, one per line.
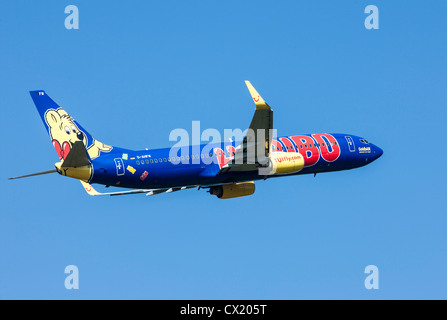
149 192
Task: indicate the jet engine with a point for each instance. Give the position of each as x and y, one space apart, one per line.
235 190
284 163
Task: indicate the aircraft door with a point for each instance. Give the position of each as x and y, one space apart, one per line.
351 144
119 167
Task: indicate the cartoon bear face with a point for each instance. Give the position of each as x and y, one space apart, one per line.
63 131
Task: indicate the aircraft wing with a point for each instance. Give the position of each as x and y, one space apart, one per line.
149 192
258 139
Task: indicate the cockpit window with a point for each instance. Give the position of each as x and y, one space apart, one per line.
364 141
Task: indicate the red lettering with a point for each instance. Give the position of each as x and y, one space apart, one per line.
329 152
308 149
221 158
231 150
276 146
288 144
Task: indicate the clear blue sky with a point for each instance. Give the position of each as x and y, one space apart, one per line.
134 71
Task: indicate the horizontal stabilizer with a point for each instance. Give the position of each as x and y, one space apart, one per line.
34 174
149 192
91 191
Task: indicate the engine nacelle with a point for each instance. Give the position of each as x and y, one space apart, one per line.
284 163
235 190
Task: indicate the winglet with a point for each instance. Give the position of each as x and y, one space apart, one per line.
260 103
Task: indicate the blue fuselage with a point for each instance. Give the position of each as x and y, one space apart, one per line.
198 165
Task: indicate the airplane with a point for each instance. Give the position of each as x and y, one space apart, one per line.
227 169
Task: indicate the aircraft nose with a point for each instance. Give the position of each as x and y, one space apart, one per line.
377 152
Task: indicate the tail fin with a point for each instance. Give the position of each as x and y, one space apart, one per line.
64 131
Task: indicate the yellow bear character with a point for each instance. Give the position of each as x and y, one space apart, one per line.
64 133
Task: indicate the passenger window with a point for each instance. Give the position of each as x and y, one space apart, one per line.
164 159
147 161
156 161
152 161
